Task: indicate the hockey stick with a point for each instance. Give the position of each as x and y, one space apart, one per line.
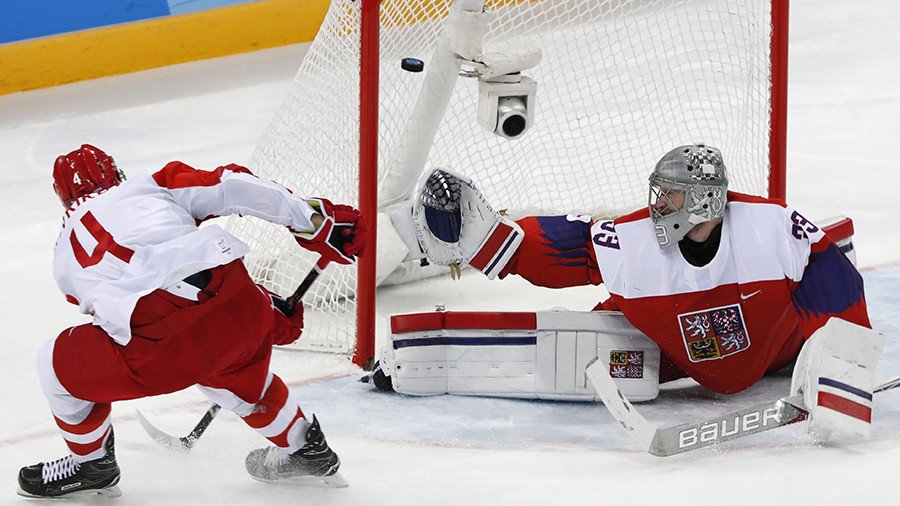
185 443
894 383
665 442
179 443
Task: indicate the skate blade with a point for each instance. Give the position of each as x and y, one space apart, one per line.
85 496
336 480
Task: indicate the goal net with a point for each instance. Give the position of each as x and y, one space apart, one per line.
620 83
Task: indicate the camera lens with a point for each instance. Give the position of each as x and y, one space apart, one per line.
513 126
511 114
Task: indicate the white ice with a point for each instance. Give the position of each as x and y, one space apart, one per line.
844 116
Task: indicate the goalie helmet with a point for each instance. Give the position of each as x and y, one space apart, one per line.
84 171
688 186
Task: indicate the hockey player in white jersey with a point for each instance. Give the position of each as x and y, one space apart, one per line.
173 306
729 286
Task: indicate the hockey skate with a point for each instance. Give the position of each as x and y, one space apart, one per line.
315 464
66 478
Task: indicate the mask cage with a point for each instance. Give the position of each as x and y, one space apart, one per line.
660 191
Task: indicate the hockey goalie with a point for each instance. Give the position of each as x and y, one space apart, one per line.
705 283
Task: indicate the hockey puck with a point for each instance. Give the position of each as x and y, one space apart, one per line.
412 64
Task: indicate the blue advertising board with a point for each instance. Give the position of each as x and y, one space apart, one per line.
28 19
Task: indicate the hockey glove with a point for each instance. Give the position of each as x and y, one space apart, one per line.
341 237
288 320
455 224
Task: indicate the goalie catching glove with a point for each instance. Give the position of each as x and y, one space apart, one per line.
454 224
342 235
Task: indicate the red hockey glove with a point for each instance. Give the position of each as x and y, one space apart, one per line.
341 237
288 327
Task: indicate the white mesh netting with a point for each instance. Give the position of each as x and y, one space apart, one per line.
621 82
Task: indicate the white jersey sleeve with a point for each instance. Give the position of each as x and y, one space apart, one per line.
232 189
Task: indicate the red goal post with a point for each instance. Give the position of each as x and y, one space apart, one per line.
620 83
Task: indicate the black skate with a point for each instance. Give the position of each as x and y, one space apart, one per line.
314 464
65 477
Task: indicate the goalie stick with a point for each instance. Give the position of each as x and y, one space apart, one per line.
665 442
185 443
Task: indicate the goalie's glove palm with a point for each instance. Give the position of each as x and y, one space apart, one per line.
342 235
455 224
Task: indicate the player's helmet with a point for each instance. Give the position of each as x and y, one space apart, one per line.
698 173
82 172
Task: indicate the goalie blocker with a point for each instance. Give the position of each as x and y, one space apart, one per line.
540 355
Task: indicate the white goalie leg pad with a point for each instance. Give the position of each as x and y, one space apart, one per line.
835 373
539 355
455 224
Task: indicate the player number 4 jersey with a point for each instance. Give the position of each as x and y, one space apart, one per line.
119 245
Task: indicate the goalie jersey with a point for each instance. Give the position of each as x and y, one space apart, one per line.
123 243
775 279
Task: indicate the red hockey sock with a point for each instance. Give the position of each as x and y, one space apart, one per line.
86 438
278 417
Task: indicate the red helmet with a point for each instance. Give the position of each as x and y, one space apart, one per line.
84 171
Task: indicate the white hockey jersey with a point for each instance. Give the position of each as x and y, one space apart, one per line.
121 244
774 280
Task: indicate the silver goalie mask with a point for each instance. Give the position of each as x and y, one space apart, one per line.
694 174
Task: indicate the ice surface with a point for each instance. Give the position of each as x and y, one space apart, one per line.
844 127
